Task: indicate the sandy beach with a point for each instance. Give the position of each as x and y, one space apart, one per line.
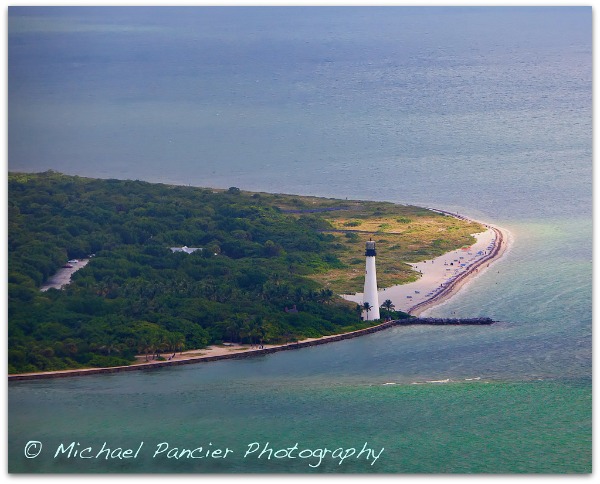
450 285
445 275
210 353
440 279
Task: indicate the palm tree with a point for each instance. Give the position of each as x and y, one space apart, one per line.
144 345
250 330
234 327
359 310
261 333
180 342
260 329
287 334
367 307
175 341
108 344
161 342
389 305
326 295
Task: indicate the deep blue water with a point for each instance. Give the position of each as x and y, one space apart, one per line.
486 111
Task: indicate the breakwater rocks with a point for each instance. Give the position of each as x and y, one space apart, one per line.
256 352
445 321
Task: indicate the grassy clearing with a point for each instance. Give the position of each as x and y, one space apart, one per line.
403 233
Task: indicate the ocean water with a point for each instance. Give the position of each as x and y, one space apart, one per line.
484 111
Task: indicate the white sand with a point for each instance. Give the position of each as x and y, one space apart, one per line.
438 274
440 278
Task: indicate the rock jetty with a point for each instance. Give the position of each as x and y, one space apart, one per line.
445 321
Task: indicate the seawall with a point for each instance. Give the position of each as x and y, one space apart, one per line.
255 352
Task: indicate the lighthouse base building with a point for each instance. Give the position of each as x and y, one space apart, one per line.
370 293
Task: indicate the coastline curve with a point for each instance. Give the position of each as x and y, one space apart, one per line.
500 247
502 237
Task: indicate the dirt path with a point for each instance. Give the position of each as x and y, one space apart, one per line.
62 277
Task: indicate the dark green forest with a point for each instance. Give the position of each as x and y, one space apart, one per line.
136 296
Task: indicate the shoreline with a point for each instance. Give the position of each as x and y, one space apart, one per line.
236 351
444 276
218 353
227 353
454 287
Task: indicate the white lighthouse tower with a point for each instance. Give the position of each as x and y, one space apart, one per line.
370 294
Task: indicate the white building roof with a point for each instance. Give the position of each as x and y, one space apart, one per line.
186 249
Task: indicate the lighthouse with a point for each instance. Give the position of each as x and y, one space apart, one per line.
370 294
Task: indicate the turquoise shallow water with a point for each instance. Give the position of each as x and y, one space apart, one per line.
482 111
467 427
